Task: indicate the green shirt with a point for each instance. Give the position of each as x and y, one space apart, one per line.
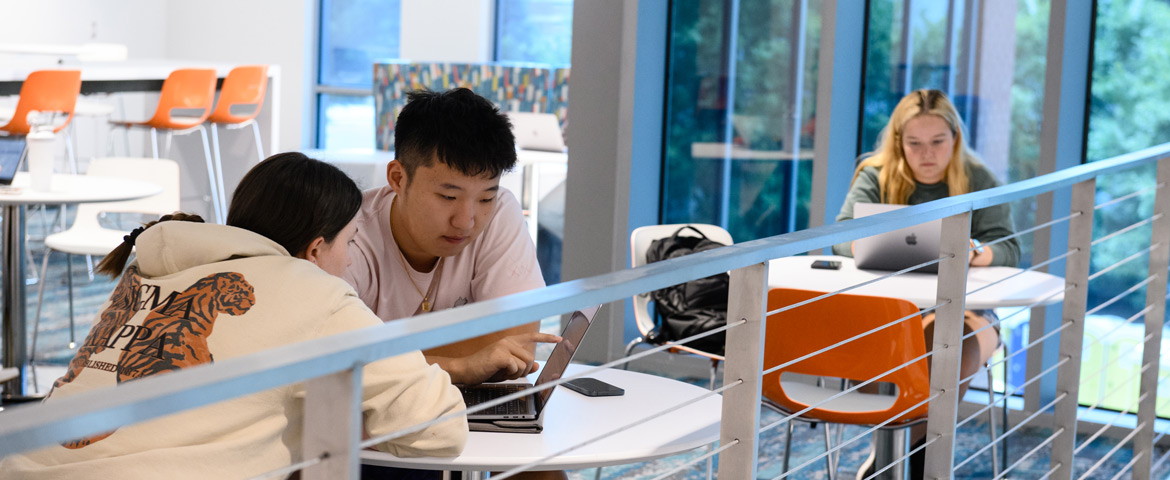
987 224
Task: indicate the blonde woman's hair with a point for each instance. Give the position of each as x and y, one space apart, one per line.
896 180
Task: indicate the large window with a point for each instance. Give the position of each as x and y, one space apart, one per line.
747 169
354 34
1129 109
539 31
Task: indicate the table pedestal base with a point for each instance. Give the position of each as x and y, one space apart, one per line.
12 327
889 445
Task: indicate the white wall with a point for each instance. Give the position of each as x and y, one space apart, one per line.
277 32
135 23
273 32
447 30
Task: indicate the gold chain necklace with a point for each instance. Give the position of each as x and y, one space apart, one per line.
426 304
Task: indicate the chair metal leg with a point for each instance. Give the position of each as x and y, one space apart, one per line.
829 457
69 148
217 174
153 142
170 142
714 371
991 423
630 349
89 266
37 319
787 445
259 146
125 141
216 195
1003 443
69 280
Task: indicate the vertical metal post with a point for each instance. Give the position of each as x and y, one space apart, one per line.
1062 138
746 301
1068 379
1143 443
948 345
333 425
840 68
14 330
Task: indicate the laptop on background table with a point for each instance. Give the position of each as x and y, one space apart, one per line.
524 414
899 249
11 150
537 131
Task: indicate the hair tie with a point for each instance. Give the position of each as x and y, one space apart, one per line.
133 236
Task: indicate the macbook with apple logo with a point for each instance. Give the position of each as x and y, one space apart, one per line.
898 249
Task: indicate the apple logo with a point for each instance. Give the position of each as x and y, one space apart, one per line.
911 239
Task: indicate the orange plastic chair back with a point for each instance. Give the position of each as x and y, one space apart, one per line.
189 90
800 331
45 91
244 85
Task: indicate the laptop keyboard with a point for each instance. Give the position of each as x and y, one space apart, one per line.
476 396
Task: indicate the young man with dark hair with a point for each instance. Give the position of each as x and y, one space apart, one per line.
443 233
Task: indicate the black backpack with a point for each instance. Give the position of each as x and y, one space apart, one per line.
693 307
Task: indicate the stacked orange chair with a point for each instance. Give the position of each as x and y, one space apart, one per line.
244 86
184 103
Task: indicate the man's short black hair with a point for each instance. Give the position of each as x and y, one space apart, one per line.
461 129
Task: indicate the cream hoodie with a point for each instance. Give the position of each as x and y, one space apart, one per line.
199 293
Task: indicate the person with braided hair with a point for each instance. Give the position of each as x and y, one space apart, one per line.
197 293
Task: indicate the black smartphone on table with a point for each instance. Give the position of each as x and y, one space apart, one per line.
827 264
592 387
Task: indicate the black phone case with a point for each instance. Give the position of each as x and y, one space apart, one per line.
592 387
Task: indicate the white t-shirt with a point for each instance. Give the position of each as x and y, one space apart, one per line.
501 261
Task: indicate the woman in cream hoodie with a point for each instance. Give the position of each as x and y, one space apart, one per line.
197 293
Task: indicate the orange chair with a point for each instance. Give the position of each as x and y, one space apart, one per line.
52 91
800 331
183 105
243 86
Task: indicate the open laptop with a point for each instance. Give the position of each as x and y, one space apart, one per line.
899 249
526 410
11 149
537 131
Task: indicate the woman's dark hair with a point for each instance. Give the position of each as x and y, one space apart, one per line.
292 199
115 261
459 128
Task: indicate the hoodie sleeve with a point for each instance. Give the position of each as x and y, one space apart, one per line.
404 391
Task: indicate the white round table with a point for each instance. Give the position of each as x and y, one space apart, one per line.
572 418
65 190
921 289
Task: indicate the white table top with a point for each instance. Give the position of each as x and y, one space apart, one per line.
572 418
68 189
134 69
921 289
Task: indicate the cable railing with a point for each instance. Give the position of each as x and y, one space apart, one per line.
29 427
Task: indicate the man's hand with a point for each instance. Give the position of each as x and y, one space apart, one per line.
505 359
